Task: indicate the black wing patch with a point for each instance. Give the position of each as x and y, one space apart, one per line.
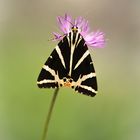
70 65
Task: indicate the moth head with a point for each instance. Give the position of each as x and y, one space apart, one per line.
75 29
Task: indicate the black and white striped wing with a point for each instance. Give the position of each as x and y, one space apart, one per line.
70 64
55 67
83 71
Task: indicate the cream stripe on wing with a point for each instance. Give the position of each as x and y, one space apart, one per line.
56 76
81 59
76 38
49 70
78 41
60 56
71 58
85 77
46 81
71 54
68 38
88 88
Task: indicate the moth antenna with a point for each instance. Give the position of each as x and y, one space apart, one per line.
69 22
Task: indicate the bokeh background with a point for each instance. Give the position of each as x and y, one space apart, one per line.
114 114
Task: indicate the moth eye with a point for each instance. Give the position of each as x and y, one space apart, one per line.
64 79
60 85
72 87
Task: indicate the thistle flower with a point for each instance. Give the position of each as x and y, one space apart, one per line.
94 39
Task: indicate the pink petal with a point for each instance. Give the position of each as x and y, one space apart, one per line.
78 21
82 24
64 23
57 37
95 39
85 29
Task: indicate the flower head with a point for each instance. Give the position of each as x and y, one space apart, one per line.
94 39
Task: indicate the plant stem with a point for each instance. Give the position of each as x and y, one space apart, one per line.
49 114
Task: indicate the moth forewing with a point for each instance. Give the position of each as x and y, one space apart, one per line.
70 65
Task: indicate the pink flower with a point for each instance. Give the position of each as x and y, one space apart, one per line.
94 39
57 36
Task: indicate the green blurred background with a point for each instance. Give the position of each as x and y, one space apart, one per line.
113 114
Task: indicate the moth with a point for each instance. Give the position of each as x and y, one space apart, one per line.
70 63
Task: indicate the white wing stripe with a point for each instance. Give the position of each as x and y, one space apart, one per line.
88 88
71 58
85 77
79 41
60 55
49 70
81 59
68 40
56 76
46 81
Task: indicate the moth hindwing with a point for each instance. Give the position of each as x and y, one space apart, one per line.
70 65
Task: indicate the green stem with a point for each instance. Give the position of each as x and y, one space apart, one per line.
49 114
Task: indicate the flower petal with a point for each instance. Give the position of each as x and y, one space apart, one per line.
95 39
82 24
85 28
78 21
64 23
57 37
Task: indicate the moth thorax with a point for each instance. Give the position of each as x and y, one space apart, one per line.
67 82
